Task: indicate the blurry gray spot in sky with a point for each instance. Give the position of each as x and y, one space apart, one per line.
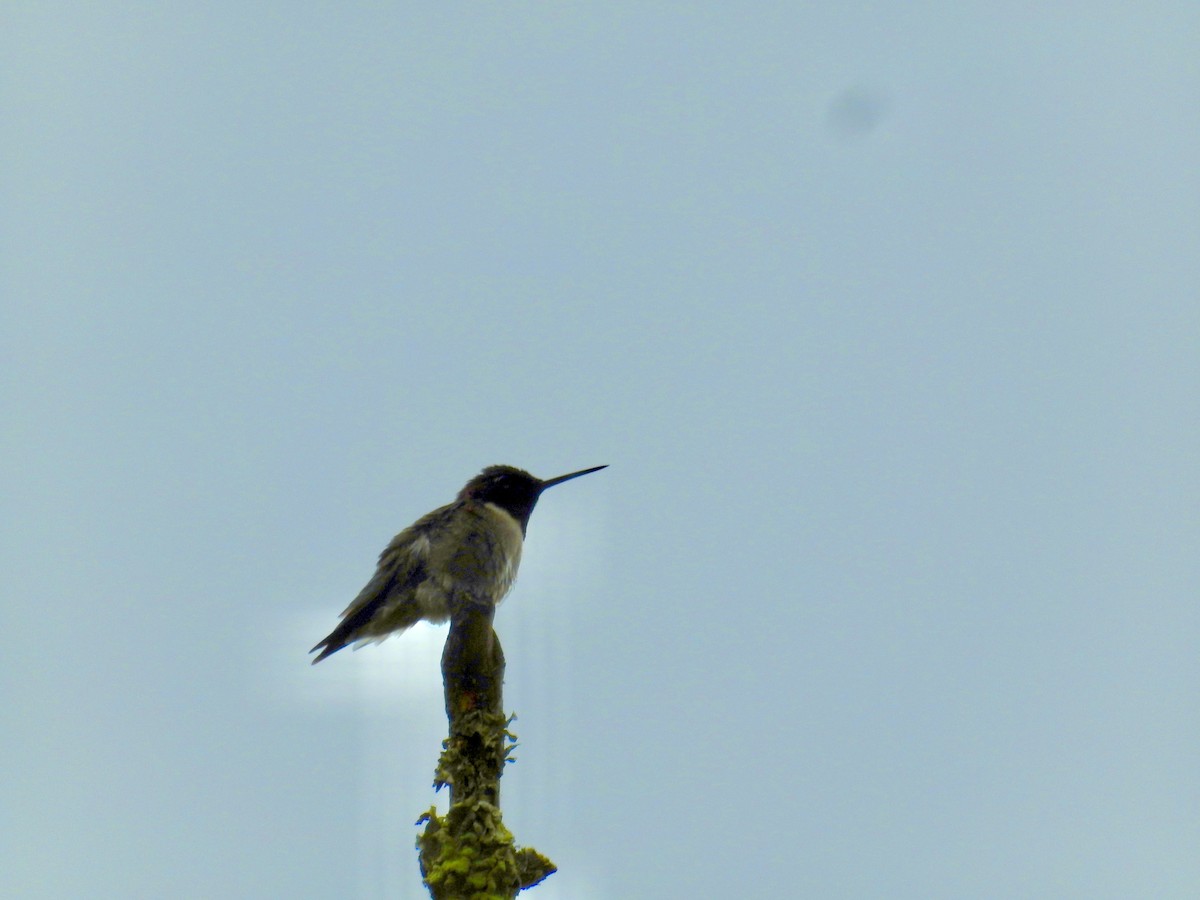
856 111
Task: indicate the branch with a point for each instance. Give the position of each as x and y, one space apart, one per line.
469 853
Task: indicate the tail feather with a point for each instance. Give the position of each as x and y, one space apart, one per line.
329 648
350 628
374 600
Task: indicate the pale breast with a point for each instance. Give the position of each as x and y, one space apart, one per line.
479 558
512 540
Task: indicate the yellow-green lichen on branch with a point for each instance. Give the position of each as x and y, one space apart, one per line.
468 853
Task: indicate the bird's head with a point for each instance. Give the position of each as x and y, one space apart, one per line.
513 490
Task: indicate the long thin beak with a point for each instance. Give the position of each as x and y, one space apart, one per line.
561 478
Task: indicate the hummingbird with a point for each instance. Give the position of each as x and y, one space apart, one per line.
468 548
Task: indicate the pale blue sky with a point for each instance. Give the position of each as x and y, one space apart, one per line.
885 317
